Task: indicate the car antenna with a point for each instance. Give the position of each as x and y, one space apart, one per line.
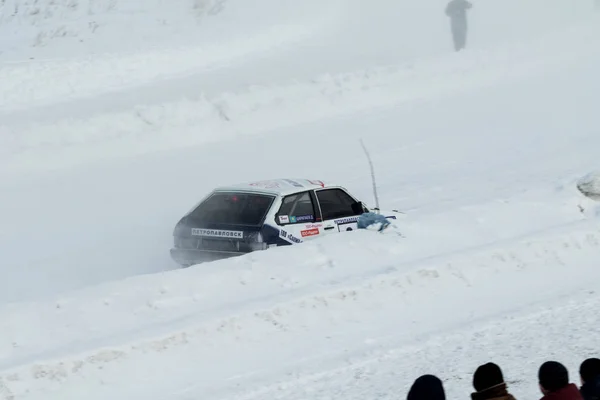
372 175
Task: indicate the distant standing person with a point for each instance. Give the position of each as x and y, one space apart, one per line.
457 11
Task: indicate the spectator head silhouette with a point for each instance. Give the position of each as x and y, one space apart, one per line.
552 376
589 370
427 387
487 376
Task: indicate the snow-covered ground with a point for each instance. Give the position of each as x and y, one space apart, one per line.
307 314
116 117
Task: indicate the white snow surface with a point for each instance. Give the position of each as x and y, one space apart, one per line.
116 117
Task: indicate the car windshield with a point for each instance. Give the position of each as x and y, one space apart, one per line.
233 208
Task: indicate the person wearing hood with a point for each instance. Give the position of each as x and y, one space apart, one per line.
457 11
427 387
489 384
554 383
589 372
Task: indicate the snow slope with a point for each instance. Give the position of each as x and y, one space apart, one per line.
56 30
121 214
189 319
105 143
255 43
147 128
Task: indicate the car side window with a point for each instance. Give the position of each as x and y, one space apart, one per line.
335 203
296 208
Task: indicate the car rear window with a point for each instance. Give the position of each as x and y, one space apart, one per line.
233 208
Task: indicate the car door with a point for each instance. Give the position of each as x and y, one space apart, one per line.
337 210
298 219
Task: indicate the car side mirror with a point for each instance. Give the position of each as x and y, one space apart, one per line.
358 208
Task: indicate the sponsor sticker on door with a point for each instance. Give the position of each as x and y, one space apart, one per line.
218 233
310 232
313 225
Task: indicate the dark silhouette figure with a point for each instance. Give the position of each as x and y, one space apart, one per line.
489 384
554 382
589 372
457 11
427 387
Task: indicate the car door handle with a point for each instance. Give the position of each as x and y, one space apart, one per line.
329 227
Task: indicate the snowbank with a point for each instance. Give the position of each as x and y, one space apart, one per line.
589 185
285 299
562 329
42 29
589 188
40 82
262 108
44 81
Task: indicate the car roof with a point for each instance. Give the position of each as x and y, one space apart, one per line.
278 187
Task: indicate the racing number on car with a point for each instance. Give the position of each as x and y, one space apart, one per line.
287 235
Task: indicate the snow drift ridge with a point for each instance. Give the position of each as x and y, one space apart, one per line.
258 109
187 310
